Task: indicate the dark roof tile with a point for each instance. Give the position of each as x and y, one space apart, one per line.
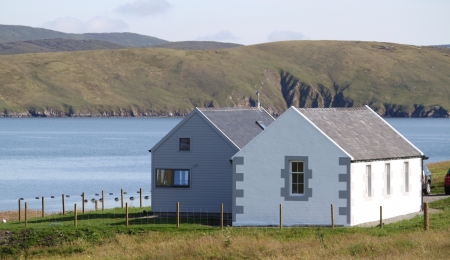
361 133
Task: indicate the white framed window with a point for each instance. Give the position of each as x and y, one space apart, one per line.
369 181
387 168
297 173
172 178
406 177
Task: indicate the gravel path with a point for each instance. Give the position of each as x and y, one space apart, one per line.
430 198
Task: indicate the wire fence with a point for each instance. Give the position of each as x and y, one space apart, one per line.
143 215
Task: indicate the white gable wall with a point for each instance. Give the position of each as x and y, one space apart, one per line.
367 209
264 158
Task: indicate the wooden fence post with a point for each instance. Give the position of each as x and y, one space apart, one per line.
126 212
19 209
75 215
43 208
221 215
63 205
140 196
426 224
381 216
103 200
26 214
332 216
281 216
121 197
82 204
178 214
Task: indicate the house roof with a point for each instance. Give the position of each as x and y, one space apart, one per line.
240 125
361 132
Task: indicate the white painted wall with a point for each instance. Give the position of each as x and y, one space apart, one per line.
366 209
264 158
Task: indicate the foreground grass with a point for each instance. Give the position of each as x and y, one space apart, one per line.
111 239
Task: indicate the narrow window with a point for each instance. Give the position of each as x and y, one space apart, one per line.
185 144
388 178
297 178
406 170
369 181
172 178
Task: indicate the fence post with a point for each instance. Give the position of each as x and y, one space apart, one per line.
426 224
178 214
82 204
43 208
381 216
140 197
221 215
96 204
19 209
121 197
103 200
332 216
63 205
75 215
281 216
26 214
126 212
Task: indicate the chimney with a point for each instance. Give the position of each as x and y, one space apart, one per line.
257 101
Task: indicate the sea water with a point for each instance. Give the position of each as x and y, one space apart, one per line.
45 157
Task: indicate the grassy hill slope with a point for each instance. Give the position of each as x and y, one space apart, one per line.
395 80
14 33
55 45
196 45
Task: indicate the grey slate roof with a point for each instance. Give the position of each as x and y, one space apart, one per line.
361 133
238 124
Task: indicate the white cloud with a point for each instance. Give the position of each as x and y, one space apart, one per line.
144 8
285 36
220 37
96 24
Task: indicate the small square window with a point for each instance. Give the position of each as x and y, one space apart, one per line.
185 144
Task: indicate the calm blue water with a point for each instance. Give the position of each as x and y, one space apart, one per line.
53 156
430 135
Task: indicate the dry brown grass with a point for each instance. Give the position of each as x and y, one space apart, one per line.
14 215
249 244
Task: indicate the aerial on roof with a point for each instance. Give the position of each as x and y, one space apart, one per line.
361 132
240 125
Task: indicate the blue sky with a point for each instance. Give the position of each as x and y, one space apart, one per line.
416 22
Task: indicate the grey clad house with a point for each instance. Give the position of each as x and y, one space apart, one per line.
192 163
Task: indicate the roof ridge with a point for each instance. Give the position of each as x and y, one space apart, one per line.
225 108
333 108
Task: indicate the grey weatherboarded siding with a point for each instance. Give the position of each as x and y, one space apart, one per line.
211 179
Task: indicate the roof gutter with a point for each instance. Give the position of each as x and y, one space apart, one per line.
390 158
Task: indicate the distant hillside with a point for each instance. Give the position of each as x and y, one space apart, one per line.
55 45
196 45
394 80
14 33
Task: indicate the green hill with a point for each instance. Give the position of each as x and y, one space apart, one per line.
14 33
55 45
196 45
393 79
